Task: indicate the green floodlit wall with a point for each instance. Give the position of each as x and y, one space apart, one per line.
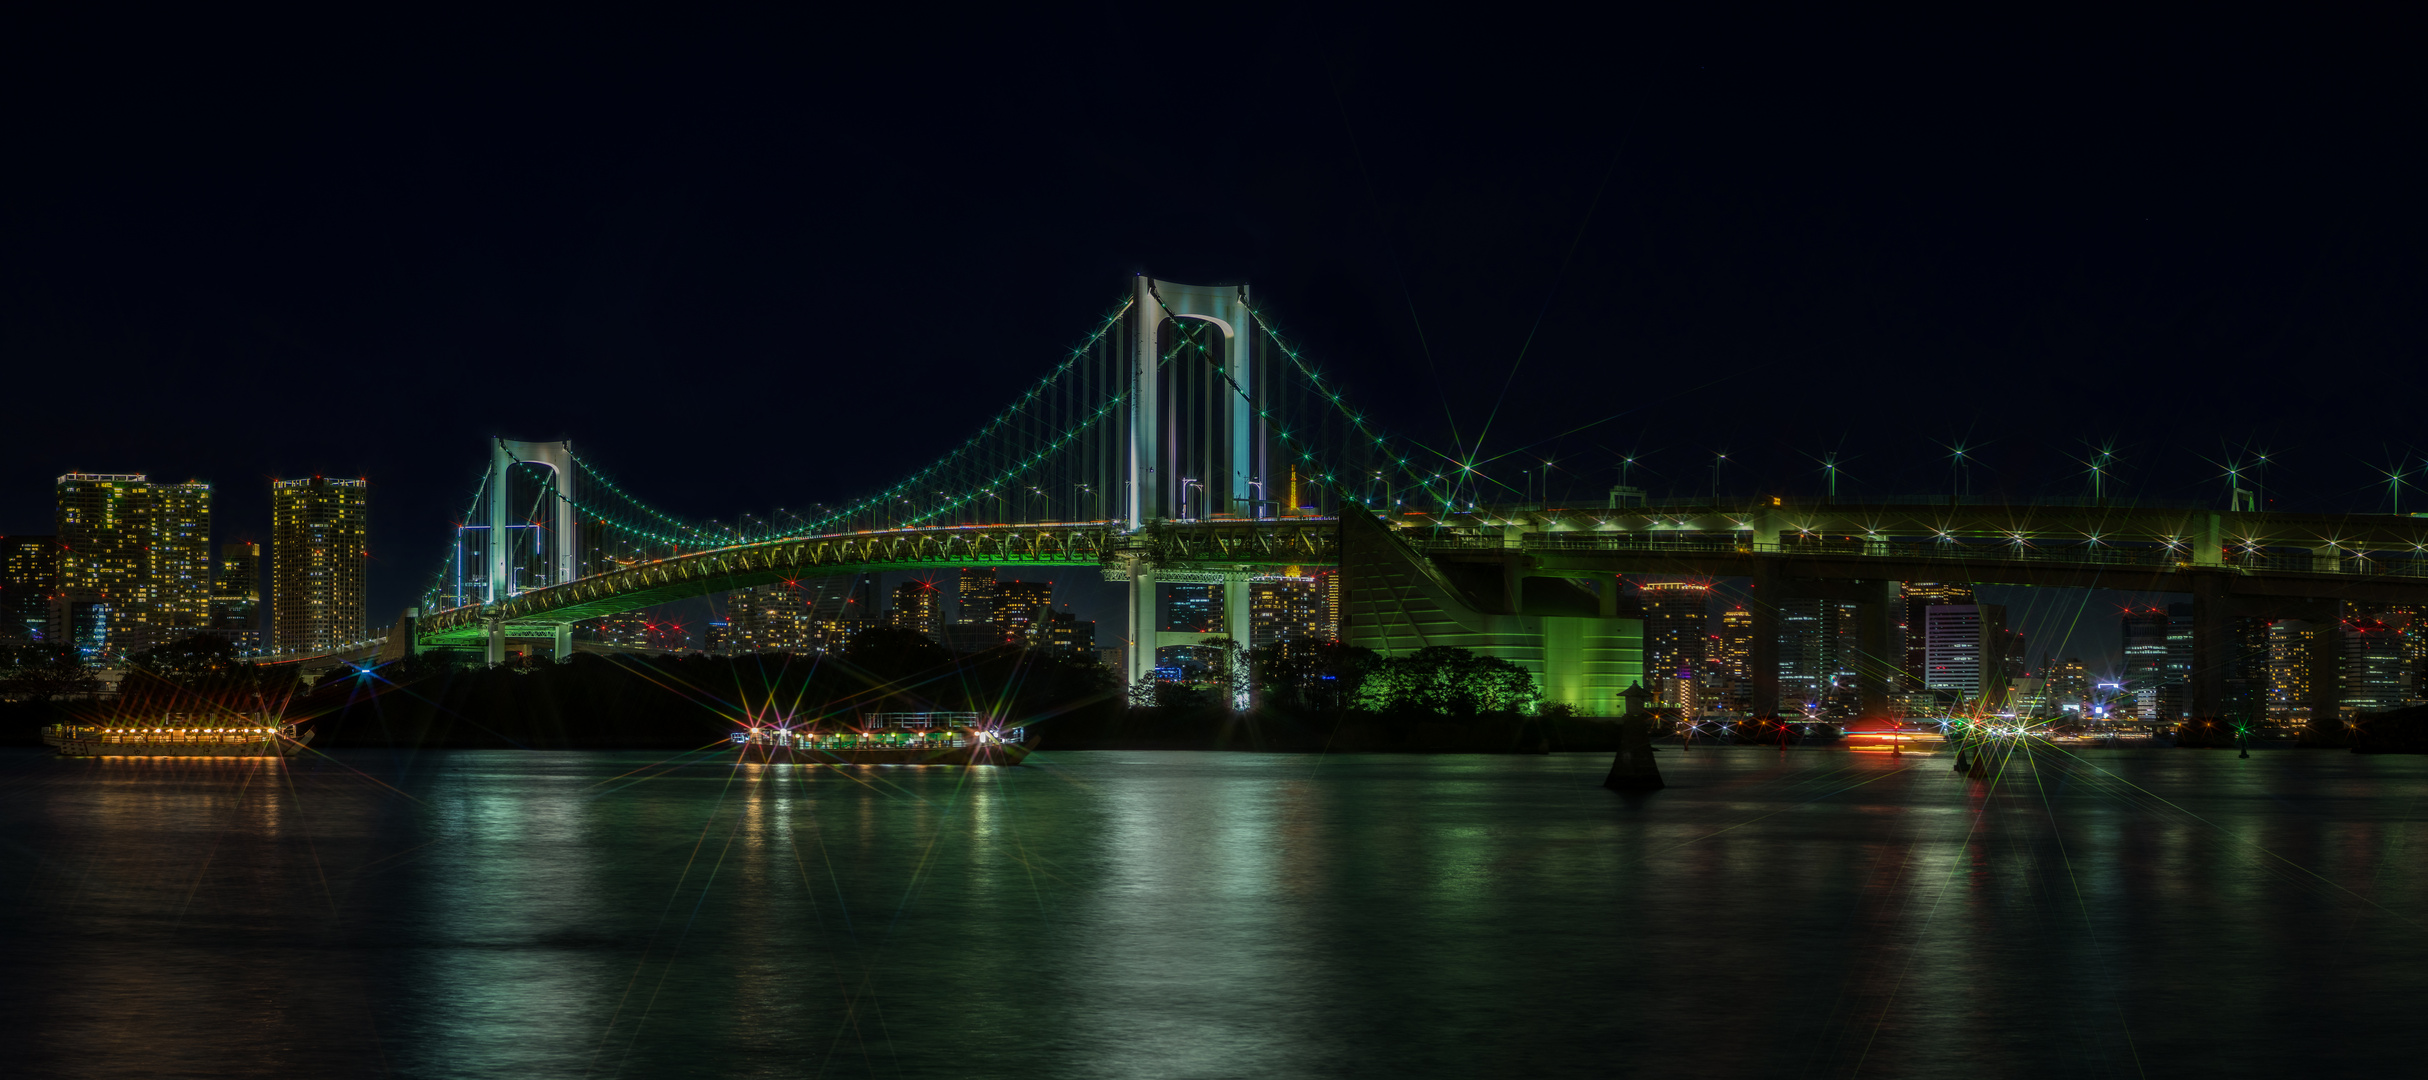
1397 601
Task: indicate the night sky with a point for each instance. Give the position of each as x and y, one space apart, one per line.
746 265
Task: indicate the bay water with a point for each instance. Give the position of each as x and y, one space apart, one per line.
1813 912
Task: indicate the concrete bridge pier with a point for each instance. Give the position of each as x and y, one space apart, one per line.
2212 620
1145 620
2326 691
1763 662
2214 609
496 641
1876 635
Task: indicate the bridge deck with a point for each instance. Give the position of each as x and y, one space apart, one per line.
2360 556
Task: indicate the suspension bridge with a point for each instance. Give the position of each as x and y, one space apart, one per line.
1186 440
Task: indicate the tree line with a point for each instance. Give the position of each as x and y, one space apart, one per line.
1302 694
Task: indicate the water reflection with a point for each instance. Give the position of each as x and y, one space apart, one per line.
1812 913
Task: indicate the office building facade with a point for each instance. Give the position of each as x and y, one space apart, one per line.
1918 597
2374 645
769 618
319 546
236 594
1677 630
974 596
1065 632
918 608
29 576
134 562
1020 608
1193 609
1965 651
1285 609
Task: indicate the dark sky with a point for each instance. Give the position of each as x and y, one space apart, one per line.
750 264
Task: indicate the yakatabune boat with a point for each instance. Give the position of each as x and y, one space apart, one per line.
901 738
176 735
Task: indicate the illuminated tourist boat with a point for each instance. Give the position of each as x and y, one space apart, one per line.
898 738
176 735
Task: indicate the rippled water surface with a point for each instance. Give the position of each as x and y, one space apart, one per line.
1813 913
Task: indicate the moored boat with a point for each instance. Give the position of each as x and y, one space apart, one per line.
899 738
175 735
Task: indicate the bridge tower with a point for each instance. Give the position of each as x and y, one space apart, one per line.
556 533
1197 444
1193 347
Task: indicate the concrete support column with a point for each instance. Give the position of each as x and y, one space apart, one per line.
1145 621
1763 665
1235 620
2326 663
497 641
563 650
1765 522
2210 633
2210 549
1236 623
1876 637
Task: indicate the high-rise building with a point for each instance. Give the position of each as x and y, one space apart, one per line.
2289 670
769 618
134 561
1803 661
319 540
181 557
1068 633
236 594
1736 644
1677 629
1020 608
29 575
1965 650
1918 597
2145 648
1733 661
2177 668
840 607
976 595
919 608
2246 671
626 629
1193 608
1284 609
1334 611
2377 675
2069 686
1820 648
